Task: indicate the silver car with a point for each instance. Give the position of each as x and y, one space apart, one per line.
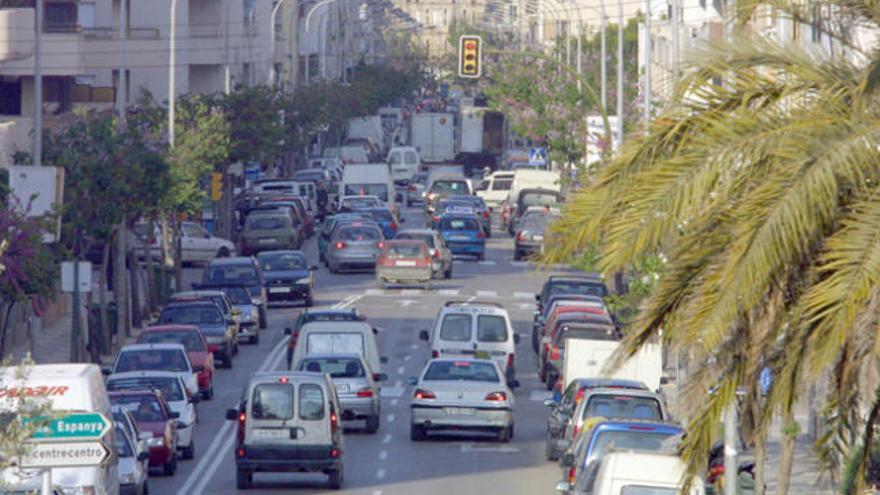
462 394
354 245
356 385
133 463
441 256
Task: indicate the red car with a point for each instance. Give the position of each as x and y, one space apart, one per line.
153 416
193 340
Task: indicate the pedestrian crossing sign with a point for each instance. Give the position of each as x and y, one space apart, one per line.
538 156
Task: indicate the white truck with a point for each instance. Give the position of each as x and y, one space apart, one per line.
586 358
470 134
433 135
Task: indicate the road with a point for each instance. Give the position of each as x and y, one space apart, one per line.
388 463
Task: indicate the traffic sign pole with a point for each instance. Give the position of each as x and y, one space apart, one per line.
46 489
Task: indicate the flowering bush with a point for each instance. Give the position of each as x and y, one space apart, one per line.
26 264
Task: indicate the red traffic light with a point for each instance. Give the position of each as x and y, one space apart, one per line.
471 45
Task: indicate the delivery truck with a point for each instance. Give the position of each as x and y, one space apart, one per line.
432 134
586 358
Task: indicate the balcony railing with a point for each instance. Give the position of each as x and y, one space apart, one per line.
205 31
109 33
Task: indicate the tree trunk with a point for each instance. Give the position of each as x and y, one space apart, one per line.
8 305
151 295
136 310
163 275
178 255
786 452
124 305
105 338
760 455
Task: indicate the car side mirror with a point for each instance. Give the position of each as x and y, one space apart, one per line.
664 380
236 312
375 331
145 435
412 380
550 403
563 487
195 399
423 335
232 414
538 297
313 268
173 415
383 359
106 371
516 338
198 368
513 383
380 377
567 460
288 331
143 456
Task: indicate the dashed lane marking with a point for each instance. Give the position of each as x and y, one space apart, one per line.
393 402
400 370
374 292
414 347
523 295
448 292
392 392
487 293
519 263
407 357
486 262
412 292
383 455
387 439
469 447
390 418
380 474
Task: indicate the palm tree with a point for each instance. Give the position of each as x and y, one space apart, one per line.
761 185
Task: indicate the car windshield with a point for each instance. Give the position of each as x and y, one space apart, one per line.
405 250
336 367
151 360
360 203
502 184
231 275
144 407
622 406
491 328
378 190
449 187
471 371
647 490
335 343
123 447
536 223
456 328
168 385
282 261
426 238
539 199
191 314
265 222
189 339
360 234
459 224
579 288
237 295
636 439
329 317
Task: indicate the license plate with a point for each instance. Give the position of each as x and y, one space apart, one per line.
273 434
458 411
459 238
538 237
481 355
279 290
405 263
265 241
342 387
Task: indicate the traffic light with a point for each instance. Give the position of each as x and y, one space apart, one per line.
216 186
470 56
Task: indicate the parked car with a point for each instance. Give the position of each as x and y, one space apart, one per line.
571 285
239 271
197 245
174 391
265 230
288 276
404 262
441 256
544 199
196 346
216 296
355 245
358 392
349 204
307 316
589 322
220 333
133 464
540 317
157 420
157 357
272 406
464 235
334 337
622 473
462 394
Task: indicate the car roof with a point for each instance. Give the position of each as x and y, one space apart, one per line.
341 311
430 232
459 359
610 383
619 424
274 376
473 307
196 294
634 392
232 261
191 302
143 374
138 391
585 278
341 326
282 251
171 328
150 347
340 355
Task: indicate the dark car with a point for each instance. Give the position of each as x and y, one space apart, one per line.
152 414
530 234
219 332
288 276
571 285
243 271
528 198
320 315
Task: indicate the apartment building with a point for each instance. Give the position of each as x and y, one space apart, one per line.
219 43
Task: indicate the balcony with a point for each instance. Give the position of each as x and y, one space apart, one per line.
16 43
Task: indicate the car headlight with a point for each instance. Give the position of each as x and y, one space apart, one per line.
247 316
303 281
255 314
256 302
155 441
126 479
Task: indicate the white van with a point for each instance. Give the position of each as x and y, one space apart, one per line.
404 162
303 189
624 473
67 388
495 188
371 179
339 337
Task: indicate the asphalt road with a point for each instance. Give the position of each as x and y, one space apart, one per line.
388 462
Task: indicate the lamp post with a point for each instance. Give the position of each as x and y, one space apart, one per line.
172 72
620 32
275 10
38 84
648 55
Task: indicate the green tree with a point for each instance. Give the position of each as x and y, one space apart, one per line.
763 194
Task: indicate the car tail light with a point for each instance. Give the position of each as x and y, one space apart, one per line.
240 452
365 392
520 236
426 261
579 395
435 253
497 396
435 219
486 214
340 245
394 227
435 354
431 196
554 353
558 385
424 394
572 476
334 453
481 235
546 349
380 244
334 422
510 360
152 241
242 418
411 188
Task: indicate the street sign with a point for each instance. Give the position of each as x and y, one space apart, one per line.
538 156
77 426
85 276
64 454
252 171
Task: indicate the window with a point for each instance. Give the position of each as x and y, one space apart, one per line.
461 370
272 401
60 17
10 97
335 367
623 406
380 190
311 402
190 340
151 360
456 328
123 447
491 328
502 184
335 343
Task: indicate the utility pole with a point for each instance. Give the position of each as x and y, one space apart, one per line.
621 30
730 424
172 73
38 84
649 47
120 285
227 70
676 40
604 64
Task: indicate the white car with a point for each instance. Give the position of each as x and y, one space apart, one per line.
133 463
197 244
158 357
179 399
462 394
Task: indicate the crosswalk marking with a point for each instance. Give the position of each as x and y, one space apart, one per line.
411 292
487 262
519 263
375 292
448 292
487 293
523 295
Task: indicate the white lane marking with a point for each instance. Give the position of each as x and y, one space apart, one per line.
469 447
394 402
391 392
523 295
349 301
380 474
487 293
374 292
525 306
486 262
397 383
411 292
414 346
377 492
390 418
470 299
387 439
407 357
539 395
519 263
224 435
448 292
400 370
383 455
406 302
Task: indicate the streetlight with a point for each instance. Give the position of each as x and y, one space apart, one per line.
275 9
172 68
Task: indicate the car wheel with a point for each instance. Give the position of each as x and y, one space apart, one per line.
223 252
416 433
332 268
373 424
189 452
170 467
448 273
334 478
551 380
542 373
504 434
516 255
263 317
289 358
535 339
243 479
208 394
235 347
550 449
146 488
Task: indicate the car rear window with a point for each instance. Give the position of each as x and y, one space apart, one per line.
335 343
266 223
145 408
647 490
311 402
382 215
456 328
359 203
502 184
191 315
491 328
231 275
459 224
335 367
427 238
170 387
589 333
151 360
449 187
378 190
641 439
123 447
237 295
461 370
190 340
579 288
539 199
272 401
406 250
410 157
622 406
360 234
282 261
